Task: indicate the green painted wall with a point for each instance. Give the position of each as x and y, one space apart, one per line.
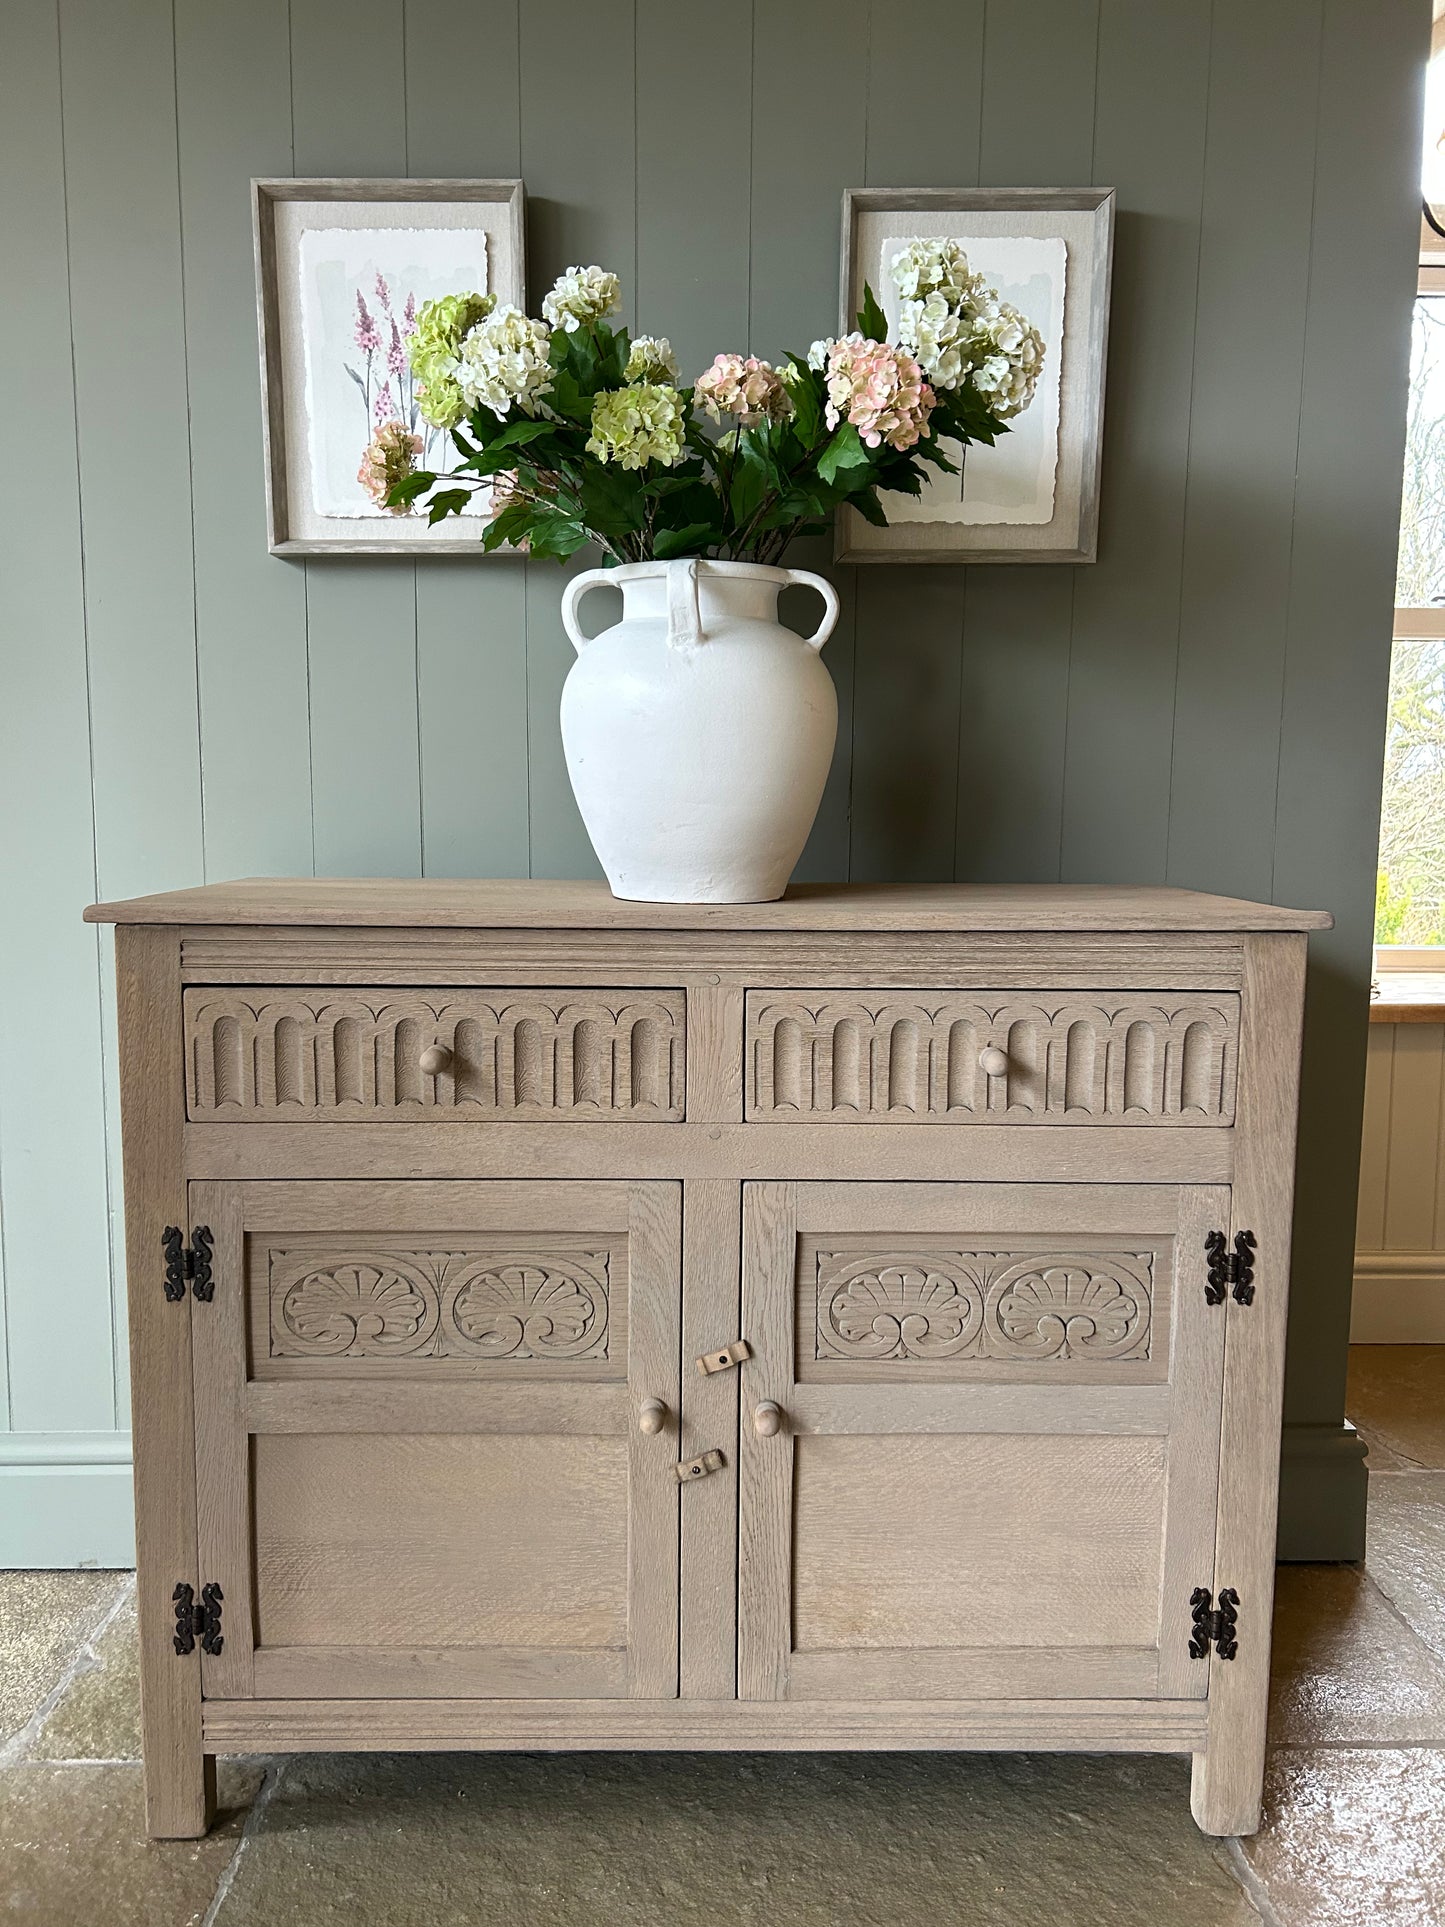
1204 706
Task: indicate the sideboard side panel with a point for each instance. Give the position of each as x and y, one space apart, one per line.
179 1780
1229 1773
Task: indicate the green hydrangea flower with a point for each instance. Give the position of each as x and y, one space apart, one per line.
441 328
634 426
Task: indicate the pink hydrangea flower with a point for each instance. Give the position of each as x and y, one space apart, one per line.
386 461
749 390
879 389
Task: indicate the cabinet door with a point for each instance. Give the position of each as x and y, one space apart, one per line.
980 1440
420 1467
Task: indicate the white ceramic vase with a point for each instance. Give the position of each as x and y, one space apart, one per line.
698 730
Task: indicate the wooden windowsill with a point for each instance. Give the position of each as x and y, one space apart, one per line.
1408 997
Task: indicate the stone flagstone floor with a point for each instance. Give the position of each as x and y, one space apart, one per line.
1355 1806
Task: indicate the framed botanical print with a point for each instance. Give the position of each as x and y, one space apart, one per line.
1042 256
342 269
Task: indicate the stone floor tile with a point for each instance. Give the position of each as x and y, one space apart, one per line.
45 1618
74 1852
1345 1667
1352 1837
781 1840
1405 1549
1395 1394
98 1715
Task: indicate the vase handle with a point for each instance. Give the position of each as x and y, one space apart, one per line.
573 594
684 615
807 580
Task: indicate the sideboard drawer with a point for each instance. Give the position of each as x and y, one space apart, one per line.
268 1055
991 1057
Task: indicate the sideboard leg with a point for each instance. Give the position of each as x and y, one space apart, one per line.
179 1782
1229 1772
1225 1789
180 1786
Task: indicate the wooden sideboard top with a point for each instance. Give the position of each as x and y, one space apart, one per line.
538 904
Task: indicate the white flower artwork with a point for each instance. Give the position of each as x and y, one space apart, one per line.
359 291
1014 481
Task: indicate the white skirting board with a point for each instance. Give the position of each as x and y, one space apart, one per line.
1399 1298
65 1499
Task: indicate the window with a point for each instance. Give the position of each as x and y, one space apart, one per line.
1410 885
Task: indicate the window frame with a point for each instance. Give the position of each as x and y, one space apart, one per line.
1414 623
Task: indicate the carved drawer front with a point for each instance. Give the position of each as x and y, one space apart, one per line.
267 1055
979 1455
991 1057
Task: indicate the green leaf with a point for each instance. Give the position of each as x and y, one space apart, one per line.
845 450
451 501
670 542
870 508
409 487
871 319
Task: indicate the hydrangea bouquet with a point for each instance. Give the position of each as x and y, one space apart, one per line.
581 434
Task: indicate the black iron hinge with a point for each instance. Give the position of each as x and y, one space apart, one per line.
188 1264
1230 1268
1213 1625
197 1621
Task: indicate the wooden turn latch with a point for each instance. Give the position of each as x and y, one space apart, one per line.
725 1357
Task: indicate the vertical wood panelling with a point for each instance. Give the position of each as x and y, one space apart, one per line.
797 190
1414 1137
52 1162
1133 720
1375 1139
694 161
1153 75
349 108
1244 419
129 353
579 162
1037 130
233 95
463 118
1364 235
906 654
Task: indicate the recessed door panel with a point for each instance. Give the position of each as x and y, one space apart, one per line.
420 1461
980 1439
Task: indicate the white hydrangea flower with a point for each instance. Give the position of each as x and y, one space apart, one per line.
651 360
934 267
581 295
503 363
1007 374
938 336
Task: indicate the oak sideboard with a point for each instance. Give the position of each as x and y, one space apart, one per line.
849 1322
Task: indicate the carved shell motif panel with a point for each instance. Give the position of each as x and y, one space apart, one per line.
1023 1306
370 1302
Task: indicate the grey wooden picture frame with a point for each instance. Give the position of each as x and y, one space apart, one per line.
505 201
1077 541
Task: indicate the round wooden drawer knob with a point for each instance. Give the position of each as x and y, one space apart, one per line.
993 1062
652 1416
435 1059
767 1418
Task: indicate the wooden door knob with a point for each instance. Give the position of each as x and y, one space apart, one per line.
652 1416
993 1062
767 1418
435 1059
